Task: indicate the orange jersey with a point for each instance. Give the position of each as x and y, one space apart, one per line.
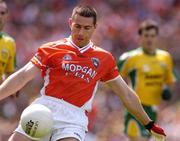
72 73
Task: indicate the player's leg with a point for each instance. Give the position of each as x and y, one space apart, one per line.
18 137
134 130
69 134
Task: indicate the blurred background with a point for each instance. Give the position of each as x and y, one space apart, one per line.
34 22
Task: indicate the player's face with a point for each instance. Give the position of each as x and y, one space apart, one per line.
3 15
148 40
82 29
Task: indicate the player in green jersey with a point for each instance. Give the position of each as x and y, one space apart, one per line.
149 71
7 58
7 45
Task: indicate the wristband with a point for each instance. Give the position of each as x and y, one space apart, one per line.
149 125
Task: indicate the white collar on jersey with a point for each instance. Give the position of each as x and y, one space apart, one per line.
81 49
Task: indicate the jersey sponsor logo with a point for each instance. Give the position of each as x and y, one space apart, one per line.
67 57
152 84
153 76
95 62
153 79
83 72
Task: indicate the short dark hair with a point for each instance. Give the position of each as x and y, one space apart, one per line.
85 11
4 2
147 25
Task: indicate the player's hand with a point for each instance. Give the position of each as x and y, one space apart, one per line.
156 131
166 94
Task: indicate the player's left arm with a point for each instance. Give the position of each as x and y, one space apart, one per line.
124 92
170 85
132 102
129 98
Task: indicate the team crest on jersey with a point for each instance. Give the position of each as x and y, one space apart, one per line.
146 68
4 53
95 62
67 57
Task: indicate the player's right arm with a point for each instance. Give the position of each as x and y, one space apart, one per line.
18 79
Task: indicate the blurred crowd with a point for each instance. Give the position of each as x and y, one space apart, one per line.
34 22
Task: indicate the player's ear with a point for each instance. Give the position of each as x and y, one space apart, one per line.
139 38
70 22
95 26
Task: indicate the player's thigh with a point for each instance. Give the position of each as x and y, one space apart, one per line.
18 137
68 139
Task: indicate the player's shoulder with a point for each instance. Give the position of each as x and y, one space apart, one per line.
163 53
131 54
7 37
54 44
100 51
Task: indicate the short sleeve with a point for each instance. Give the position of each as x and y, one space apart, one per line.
123 64
40 59
170 78
111 71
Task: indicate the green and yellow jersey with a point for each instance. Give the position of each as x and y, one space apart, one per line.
7 54
147 73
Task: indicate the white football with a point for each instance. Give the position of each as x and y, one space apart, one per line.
36 121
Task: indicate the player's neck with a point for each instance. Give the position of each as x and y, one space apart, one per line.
1 33
152 53
79 46
1 29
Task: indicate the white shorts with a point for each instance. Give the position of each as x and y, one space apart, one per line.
69 120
